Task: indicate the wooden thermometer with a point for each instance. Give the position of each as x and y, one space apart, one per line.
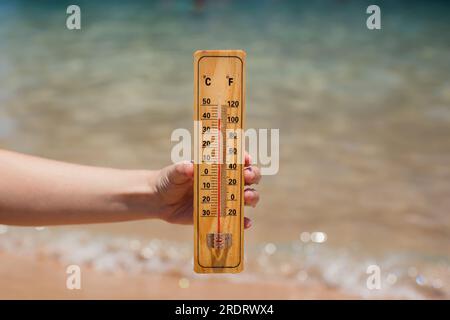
218 178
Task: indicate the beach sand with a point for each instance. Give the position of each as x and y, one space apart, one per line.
364 161
25 278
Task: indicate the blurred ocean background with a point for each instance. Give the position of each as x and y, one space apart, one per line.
364 119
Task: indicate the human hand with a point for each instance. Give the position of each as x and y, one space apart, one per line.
173 186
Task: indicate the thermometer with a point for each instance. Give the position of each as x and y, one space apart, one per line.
218 177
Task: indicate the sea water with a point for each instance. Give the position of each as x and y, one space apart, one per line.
364 119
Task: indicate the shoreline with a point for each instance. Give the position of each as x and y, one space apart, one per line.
41 278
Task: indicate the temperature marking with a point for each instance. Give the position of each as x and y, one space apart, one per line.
219 118
218 178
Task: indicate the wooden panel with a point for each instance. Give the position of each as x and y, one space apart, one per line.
219 101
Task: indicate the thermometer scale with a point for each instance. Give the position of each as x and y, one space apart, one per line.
218 176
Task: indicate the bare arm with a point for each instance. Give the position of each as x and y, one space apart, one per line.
37 192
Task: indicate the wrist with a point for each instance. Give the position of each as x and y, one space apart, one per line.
139 197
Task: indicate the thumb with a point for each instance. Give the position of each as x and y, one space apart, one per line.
180 173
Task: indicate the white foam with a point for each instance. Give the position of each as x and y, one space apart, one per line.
290 262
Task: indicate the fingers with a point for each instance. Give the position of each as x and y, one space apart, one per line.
189 168
251 197
252 175
247 223
180 173
248 159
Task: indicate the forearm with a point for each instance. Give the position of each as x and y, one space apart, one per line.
36 191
